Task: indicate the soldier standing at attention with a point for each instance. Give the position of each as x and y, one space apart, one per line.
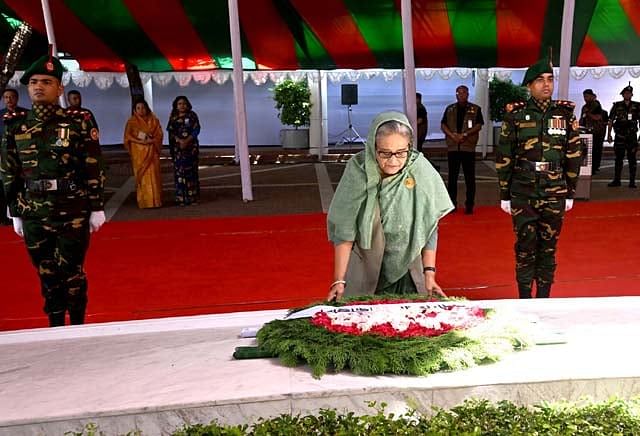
537 161
74 102
10 97
624 117
53 176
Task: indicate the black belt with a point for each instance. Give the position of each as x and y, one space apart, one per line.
61 186
538 166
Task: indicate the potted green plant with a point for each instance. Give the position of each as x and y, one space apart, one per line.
293 101
502 92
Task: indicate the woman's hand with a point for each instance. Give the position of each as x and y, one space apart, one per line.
432 286
336 290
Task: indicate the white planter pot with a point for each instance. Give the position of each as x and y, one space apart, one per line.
294 138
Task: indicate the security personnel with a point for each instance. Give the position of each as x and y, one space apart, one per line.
53 174
461 124
537 161
623 118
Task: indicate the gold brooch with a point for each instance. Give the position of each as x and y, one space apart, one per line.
410 183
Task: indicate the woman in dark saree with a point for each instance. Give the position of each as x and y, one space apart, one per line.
183 128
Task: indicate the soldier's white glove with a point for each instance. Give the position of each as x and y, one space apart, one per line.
96 220
17 227
505 205
568 204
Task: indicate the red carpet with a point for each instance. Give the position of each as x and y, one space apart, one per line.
185 267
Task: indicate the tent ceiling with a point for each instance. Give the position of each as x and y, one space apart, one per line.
174 35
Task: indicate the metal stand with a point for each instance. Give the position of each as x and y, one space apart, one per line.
350 134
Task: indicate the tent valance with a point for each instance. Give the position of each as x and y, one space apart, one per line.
103 81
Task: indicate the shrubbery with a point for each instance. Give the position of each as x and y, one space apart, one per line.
472 418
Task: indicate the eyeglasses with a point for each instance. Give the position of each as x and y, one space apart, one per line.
389 154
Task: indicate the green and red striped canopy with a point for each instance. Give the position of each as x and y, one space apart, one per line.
174 35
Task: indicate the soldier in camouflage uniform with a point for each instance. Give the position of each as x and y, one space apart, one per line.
537 161
53 175
623 118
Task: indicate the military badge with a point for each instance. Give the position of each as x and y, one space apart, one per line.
95 135
23 127
557 125
527 117
49 66
63 135
410 183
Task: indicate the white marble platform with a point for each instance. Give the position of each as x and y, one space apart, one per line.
156 375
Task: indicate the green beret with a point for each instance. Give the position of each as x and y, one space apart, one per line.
46 65
541 67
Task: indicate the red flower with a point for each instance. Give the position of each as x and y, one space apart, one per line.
462 318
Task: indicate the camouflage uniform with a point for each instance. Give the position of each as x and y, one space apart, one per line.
625 123
53 175
538 160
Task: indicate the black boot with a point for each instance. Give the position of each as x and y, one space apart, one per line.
617 171
543 291
76 316
524 291
56 319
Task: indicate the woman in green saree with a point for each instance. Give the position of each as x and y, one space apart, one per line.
383 220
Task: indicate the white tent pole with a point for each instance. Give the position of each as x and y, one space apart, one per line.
566 36
48 23
242 142
315 129
51 36
409 77
324 111
147 88
482 100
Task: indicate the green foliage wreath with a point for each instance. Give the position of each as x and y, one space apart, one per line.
297 342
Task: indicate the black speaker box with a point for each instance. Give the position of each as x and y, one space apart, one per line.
349 94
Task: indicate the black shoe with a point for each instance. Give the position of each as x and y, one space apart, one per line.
614 184
468 210
632 185
76 316
56 319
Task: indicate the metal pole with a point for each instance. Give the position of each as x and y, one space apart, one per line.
48 23
240 107
315 129
409 76
566 36
51 36
482 100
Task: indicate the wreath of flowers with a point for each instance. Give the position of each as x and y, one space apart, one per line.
395 339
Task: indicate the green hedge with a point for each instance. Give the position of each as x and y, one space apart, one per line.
471 418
